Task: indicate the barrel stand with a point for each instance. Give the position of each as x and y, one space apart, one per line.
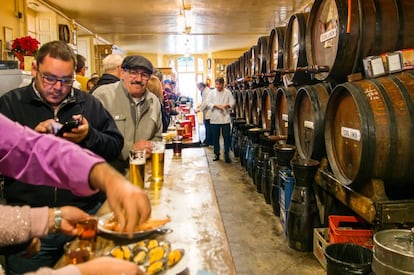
371 202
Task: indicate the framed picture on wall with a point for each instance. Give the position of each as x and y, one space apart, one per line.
8 34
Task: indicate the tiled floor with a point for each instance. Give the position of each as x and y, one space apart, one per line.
256 238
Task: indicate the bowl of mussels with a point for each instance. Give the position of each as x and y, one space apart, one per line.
152 255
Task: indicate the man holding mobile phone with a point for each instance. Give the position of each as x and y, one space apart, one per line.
48 101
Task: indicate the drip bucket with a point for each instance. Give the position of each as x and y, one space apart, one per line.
347 258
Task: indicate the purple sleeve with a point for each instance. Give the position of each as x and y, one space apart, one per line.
42 158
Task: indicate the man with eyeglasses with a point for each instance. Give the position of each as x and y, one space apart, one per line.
136 110
48 102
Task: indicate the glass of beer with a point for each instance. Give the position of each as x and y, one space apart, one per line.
77 251
137 167
87 228
177 146
157 161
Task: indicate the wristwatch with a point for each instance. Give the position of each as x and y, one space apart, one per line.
58 219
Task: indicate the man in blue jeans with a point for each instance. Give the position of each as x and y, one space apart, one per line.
220 101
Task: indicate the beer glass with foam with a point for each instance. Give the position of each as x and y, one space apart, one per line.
157 161
137 167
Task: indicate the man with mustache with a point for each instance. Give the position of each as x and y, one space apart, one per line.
137 111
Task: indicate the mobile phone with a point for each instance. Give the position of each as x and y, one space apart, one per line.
67 127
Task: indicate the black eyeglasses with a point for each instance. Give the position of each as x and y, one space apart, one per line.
135 73
51 80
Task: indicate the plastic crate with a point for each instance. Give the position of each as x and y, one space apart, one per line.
350 229
286 183
320 241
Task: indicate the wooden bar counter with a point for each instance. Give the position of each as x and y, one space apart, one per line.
187 196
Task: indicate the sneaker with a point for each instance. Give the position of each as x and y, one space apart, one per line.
216 158
228 160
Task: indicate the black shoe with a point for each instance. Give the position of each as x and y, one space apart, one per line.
228 160
216 158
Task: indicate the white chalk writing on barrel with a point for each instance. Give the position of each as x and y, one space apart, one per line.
350 133
328 35
372 94
308 124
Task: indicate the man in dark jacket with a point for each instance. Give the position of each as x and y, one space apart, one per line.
111 66
44 105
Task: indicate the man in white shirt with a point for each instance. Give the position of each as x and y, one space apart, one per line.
206 112
220 102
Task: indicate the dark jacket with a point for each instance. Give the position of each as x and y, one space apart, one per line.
24 106
103 80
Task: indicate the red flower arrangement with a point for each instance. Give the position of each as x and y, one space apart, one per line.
25 46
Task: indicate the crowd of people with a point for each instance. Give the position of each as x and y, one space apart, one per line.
69 177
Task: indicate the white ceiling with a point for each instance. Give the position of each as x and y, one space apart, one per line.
151 26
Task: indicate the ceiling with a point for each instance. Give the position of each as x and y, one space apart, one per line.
151 26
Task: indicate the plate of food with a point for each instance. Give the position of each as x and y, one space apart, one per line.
108 225
153 256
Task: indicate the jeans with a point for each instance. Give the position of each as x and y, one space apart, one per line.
208 139
225 131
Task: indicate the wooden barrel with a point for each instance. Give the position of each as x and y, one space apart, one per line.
341 33
247 106
230 74
261 55
294 55
406 15
275 49
238 108
242 68
237 69
247 64
253 60
254 97
284 108
309 119
267 108
369 133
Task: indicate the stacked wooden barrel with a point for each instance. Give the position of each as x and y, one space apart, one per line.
285 90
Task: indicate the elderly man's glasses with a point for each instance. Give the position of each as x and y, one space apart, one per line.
51 80
135 73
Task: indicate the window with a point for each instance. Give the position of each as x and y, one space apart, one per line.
186 64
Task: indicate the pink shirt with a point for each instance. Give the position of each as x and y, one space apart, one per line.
31 157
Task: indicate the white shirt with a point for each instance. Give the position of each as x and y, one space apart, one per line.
224 97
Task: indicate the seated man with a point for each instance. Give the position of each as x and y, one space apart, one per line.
50 99
136 110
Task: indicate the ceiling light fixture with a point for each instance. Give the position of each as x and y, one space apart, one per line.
184 19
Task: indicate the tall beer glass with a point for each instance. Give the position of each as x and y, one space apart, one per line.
157 161
137 167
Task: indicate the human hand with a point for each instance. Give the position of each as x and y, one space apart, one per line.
143 144
129 203
46 126
109 265
70 217
77 134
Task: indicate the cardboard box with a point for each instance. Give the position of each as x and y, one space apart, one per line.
320 242
407 59
373 66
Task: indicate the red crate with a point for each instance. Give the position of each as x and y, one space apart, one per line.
350 229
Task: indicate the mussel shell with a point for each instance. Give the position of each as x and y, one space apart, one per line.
174 256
